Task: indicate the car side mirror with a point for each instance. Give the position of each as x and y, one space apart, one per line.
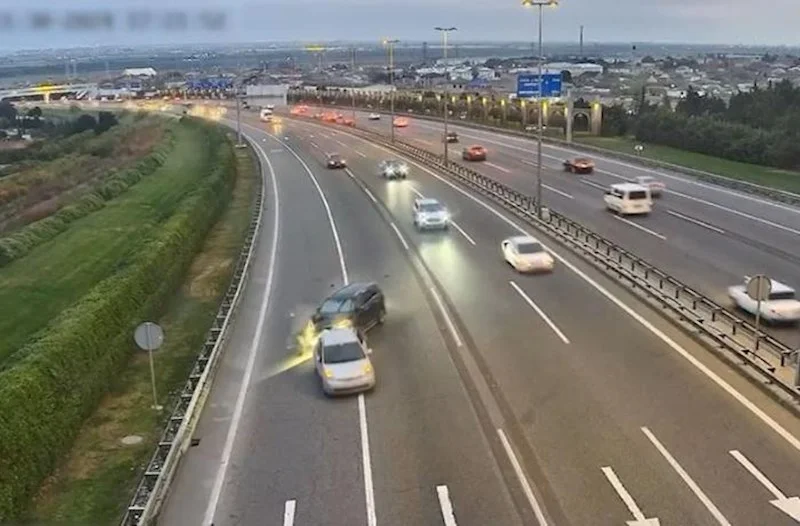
316 317
369 351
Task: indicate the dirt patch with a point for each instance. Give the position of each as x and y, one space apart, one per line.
204 277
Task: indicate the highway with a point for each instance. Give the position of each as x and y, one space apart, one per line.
709 237
489 382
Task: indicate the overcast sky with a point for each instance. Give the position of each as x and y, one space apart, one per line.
697 21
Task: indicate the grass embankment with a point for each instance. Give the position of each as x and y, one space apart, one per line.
763 175
94 484
70 305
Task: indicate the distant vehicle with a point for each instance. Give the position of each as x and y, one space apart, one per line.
329 117
271 107
534 128
358 305
474 153
526 254
336 161
579 165
266 115
628 198
341 360
430 214
400 122
374 116
782 306
318 115
451 137
393 169
349 121
656 187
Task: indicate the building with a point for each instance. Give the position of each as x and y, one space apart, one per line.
139 72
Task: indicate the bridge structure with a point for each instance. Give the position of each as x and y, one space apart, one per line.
47 91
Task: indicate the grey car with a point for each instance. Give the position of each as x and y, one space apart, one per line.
342 362
393 169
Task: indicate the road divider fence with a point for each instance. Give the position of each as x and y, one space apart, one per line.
761 356
177 436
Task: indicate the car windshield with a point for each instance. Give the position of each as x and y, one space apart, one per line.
782 295
335 157
637 195
431 207
529 248
342 353
333 306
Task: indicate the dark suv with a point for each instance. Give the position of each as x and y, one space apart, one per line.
358 304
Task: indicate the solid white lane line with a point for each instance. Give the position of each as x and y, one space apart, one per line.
450 325
288 513
623 494
749 466
340 142
523 480
557 191
714 377
400 236
640 227
456 225
359 153
593 184
738 213
369 489
540 312
446 505
370 195
461 231
696 222
687 479
312 143
497 167
255 344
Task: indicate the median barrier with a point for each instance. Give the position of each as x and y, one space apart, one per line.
713 178
764 357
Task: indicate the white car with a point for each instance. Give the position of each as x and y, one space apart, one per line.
374 116
782 305
430 214
628 199
393 169
526 254
342 362
656 187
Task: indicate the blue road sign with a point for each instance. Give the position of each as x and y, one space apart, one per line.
528 85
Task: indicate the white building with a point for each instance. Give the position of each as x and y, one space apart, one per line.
139 72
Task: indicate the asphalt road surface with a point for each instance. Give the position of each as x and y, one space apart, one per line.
598 411
707 236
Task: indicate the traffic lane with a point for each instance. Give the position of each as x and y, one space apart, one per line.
636 352
260 478
531 375
423 430
727 199
293 443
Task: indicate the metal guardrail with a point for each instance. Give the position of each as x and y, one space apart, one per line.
700 314
774 194
176 438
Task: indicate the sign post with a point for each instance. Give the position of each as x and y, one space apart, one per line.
758 288
149 336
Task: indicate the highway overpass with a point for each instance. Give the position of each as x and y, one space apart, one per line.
48 92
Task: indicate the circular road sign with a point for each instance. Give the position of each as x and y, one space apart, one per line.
149 336
759 287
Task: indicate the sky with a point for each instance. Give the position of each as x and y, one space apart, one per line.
92 22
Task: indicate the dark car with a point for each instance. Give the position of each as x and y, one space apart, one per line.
360 305
336 161
451 137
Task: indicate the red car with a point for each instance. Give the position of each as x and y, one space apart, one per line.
580 165
474 153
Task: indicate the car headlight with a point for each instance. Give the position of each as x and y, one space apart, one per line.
367 368
327 372
404 169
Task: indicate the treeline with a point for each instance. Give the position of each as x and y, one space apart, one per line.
758 127
55 381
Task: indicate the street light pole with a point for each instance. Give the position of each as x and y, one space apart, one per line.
444 31
391 44
540 4
353 85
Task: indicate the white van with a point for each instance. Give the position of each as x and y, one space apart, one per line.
266 115
628 198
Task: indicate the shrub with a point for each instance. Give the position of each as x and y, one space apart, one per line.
58 379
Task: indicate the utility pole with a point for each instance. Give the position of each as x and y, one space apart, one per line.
391 44
444 31
581 45
353 83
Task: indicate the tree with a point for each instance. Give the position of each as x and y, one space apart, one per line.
35 112
616 121
8 111
83 123
566 77
105 120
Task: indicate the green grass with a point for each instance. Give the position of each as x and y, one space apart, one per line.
94 484
39 286
763 175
